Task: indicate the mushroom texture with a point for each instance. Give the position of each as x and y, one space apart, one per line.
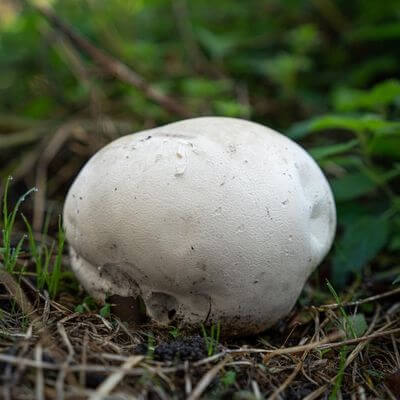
207 219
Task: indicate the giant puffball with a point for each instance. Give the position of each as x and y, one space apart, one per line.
208 220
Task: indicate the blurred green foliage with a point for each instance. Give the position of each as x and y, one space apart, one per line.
324 72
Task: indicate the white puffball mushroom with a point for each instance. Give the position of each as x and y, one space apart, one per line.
207 219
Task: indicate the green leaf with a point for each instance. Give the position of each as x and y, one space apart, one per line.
359 324
218 45
353 123
379 96
201 87
387 145
352 186
360 243
299 130
395 243
304 38
79 308
319 153
350 123
105 311
228 108
229 378
377 32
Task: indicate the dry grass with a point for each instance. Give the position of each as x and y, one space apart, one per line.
51 352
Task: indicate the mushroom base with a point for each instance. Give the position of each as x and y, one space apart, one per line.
104 283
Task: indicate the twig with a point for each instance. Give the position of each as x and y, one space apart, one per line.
53 147
358 302
360 339
188 382
287 381
39 374
18 295
316 393
21 138
206 380
109 384
82 374
63 372
256 390
109 64
360 346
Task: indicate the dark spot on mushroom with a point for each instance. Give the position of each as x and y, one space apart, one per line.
148 137
80 198
231 149
285 202
159 305
202 266
202 279
129 309
192 247
115 189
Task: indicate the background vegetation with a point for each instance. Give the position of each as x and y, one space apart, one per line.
324 72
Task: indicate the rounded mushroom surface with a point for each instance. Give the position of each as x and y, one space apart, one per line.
208 219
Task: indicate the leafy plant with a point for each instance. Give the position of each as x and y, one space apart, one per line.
174 332
42 255
88 304
364 168
347 322
105 311
229 378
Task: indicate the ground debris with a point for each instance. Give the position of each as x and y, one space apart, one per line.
191 348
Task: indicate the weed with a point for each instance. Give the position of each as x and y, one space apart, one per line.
55 275
348 324
41 256
151 346
105 311
339 377
10 254
211 340
88 304
229 378
174 332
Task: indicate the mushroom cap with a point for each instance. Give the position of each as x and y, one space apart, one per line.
207 219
